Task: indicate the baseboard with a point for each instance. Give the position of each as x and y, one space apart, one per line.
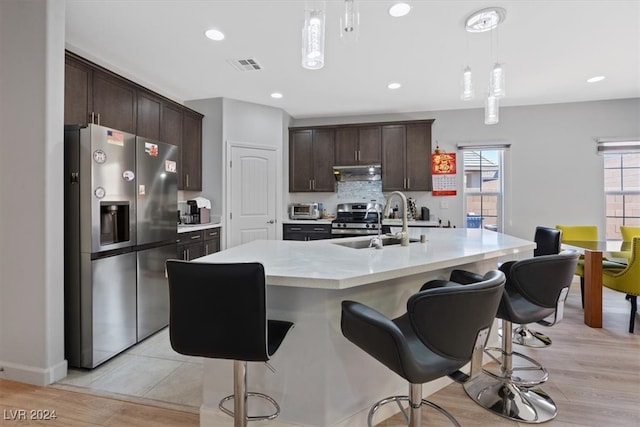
33 375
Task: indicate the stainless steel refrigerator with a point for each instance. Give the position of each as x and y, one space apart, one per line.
120 227
156 230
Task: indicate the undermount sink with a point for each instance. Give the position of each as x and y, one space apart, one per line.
363 244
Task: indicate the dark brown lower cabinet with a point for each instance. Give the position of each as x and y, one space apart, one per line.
194 244
306 231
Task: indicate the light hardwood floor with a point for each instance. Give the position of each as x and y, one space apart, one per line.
594 379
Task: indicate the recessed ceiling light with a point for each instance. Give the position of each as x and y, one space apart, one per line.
595 79
394 85
214 34
276 95
399 9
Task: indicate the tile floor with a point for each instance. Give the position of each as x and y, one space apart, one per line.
149 370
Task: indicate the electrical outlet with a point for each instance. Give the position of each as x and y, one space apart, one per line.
444 204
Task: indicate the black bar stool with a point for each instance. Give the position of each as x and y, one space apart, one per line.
446 326
548 242
535 289
219 311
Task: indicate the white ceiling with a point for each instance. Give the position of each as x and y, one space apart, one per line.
550 48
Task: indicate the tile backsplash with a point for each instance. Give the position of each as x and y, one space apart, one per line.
356 191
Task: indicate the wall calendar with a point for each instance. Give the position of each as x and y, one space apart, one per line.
443 171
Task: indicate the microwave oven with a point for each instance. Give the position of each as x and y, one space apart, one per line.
305 211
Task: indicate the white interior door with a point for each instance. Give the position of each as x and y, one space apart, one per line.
253 194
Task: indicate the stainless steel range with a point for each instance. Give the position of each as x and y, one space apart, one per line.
357 219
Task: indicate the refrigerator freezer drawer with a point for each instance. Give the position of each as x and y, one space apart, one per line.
101 310
153 290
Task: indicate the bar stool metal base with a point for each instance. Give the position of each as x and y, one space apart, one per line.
253 417
240 413
414 417
527 405
524 336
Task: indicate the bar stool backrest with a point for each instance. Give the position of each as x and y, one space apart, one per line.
218 310
548 241
449 319
541 279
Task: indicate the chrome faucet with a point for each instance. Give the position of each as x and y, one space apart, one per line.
376 242
404 234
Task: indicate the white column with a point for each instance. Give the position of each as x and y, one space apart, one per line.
31 212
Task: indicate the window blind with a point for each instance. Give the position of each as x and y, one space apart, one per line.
630 145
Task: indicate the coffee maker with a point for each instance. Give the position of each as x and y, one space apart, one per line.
192 214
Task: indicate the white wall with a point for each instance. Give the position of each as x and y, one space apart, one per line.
555 175
31 213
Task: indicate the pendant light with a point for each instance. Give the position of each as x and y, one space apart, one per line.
496 81
466 85
313 36
491 110
466 82
350 21
481 21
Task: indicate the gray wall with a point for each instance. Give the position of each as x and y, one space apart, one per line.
555 175
232 121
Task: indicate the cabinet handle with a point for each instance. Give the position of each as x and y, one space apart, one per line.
358 155
314 184
186 258
408 183
206 249
93 115
295 229
98 119
186 178
195 237
355 155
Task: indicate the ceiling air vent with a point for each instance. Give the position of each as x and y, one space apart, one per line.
249 64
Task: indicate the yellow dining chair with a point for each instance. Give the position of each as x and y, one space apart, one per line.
628 232
584 233
627 280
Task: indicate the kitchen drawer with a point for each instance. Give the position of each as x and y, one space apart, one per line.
189 237
306 231
211 233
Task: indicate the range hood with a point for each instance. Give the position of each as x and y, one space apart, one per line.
358 173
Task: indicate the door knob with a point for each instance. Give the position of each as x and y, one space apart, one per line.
271 221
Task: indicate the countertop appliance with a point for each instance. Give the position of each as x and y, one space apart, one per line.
194 211
356 219
120 228
305 210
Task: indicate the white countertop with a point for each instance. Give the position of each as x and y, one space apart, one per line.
185 228
325 265
414 223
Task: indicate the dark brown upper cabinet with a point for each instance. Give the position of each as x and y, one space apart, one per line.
191 151
149 115
358 145
93 94
311 157
406 156
77 92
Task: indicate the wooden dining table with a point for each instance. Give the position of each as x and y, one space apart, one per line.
594 252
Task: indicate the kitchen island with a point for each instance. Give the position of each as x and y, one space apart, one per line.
320 378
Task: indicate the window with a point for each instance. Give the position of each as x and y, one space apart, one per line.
484 187
622 191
